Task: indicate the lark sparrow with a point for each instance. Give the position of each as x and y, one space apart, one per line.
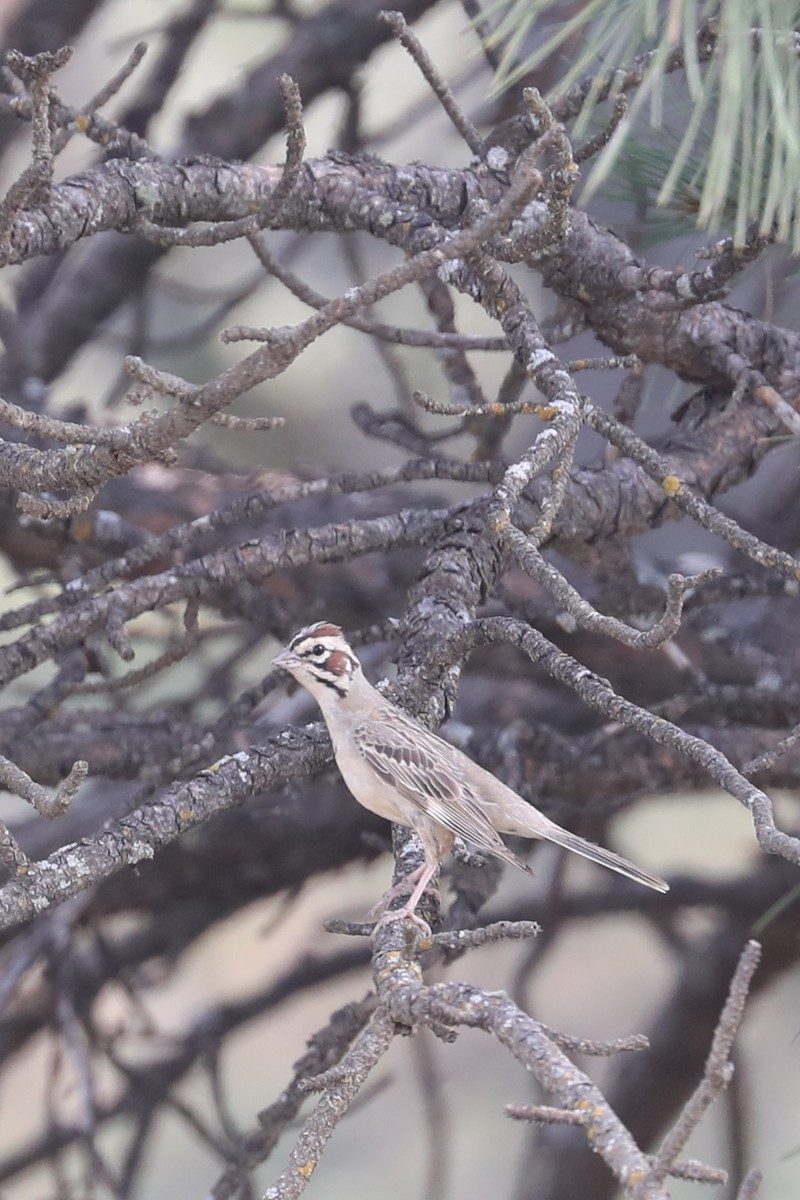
398 769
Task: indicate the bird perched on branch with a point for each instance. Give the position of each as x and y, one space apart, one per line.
398 769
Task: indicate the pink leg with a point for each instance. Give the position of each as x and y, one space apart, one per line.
405 886
436 841
423 876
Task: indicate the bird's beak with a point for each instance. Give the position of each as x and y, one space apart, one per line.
286 660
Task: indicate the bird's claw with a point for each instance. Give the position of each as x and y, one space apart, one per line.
404 913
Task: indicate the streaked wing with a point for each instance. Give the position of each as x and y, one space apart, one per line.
409 759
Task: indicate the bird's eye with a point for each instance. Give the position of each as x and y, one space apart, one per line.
318 651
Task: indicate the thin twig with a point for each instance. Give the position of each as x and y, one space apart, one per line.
15 780
317 1130
407 38
599 694
295 139
718 1068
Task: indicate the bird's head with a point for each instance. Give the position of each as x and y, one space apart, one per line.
320 658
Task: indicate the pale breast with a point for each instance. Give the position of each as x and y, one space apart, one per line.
367 787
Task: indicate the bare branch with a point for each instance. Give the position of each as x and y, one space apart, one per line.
21 784
295 138
397 23
341 1088
719 1068
600 695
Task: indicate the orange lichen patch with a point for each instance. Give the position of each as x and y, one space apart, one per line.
82 528
671 485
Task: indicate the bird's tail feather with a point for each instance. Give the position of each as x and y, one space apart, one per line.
509 813
598 854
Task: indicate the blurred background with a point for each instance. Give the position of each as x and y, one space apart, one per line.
232 915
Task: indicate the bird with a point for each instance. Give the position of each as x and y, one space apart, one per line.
397 768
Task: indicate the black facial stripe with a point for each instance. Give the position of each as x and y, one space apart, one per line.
329 679
320 671
319 663
314 642
335 687
316 664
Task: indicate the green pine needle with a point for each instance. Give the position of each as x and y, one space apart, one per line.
740 144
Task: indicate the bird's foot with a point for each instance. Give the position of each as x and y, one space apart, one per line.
405 913
403 887
381 909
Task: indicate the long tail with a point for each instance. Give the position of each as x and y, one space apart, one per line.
598 854
509 813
